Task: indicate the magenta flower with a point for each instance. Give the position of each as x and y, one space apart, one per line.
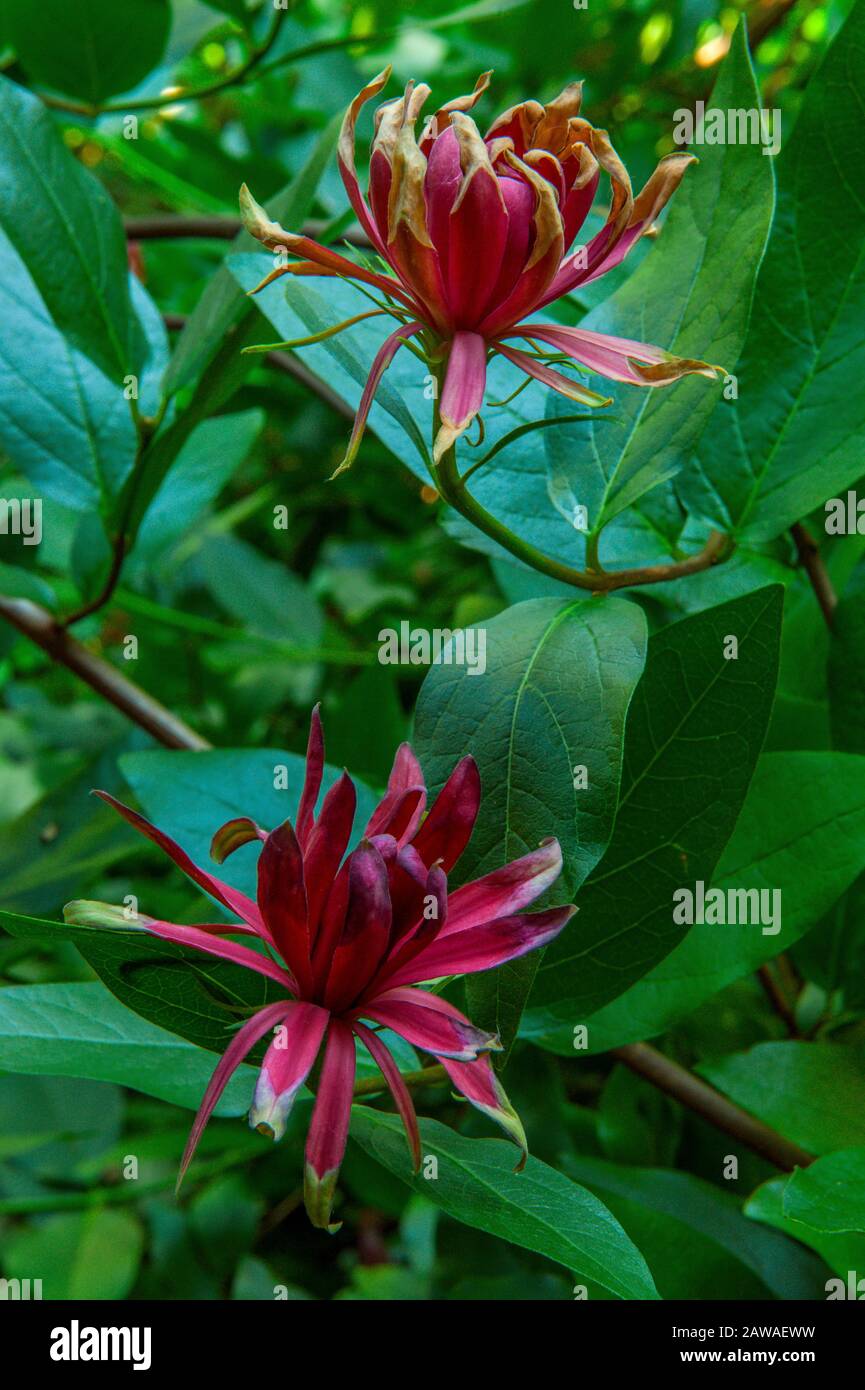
348 939
474 234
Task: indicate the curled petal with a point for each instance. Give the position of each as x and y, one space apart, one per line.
229 837
366 929
328 1130
463 393
398 1089
287 1063
451 820
346 161
383 358
552 131
398 814
242 1043
478 215
478 1083
619 359
545 255
441 119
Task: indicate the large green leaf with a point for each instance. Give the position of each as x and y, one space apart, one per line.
81 1030
694 732
842 1253
91 1254
830 1194
695 1238
812 1092
538 1209
801 831
68 234
560 675
91 49
794 436
692 295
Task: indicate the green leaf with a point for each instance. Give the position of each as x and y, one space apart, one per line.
846 674
91 50
814 1093
81 1255
538 1209
830 1194
553 699
81 1030
695 1237
64 227
692 295
801 831
842 1253
693 736
794 437
261 593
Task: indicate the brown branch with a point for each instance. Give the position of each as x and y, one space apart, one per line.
778 999
811 561
169 226
111 582
37 624
427 1076
704 1100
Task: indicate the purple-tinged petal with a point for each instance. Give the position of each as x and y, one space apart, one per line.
326 846
236 902
398 814
478 1083
463 392
427 1021
328 1130
229 837
481 948
366 929
406 771
287 1063
346 162
282 900
451 820
207 939
441 119
398 1089
479 215
382 360
505 891
312 778
243 1042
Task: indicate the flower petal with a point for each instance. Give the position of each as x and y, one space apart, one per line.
346 161
236 902
463 393
441 119
478 1083
312 777
243 1042
383 358
282 900
398 1089
326 846
482 947
505 891
366 929
229 837
427 1021
328 1130
557 381
287 1063
618 359
478 214
451 820
398 814
206 939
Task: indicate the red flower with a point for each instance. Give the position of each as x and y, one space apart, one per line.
475 234
348 938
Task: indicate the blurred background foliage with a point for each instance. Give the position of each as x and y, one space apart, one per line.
242 624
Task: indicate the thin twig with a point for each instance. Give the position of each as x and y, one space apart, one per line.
38 624
704 1100
176 227
778 999
105 593
811 561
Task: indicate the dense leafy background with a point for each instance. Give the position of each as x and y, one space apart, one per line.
255 587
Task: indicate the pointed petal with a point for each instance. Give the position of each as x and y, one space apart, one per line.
478 1083
207 940
229 837
346 161
505 891
441 119
427 1021
243 1042
312 777
557 381
398 814
409 248
451 820
236 902
463 393
328 1130
287 1063
478 211
326 846
398 1089
383 358
406 771
366 930
282 900
483 947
